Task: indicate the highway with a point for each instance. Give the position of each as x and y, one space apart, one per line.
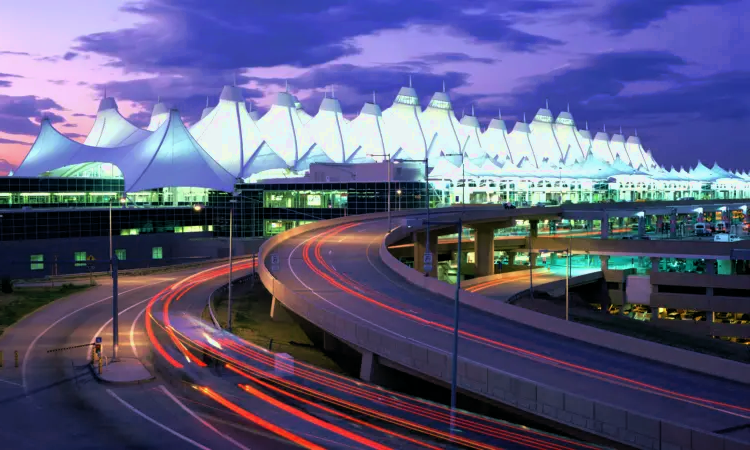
53 401
394 420
339 269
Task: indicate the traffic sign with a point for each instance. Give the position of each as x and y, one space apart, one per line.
428 258
90 258
274 259
98 340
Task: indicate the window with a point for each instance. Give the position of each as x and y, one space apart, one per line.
156 253
80 256
37 262
121 254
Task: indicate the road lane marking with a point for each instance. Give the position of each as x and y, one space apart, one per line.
155 422
11 382
27 355
200 419
99 331
132 331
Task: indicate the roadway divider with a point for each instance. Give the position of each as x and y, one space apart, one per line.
697 362
591 416
223 288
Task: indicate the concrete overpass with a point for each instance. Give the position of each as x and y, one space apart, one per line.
340 276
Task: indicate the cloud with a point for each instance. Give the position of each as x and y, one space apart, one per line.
7 83
186 92
16 113
449 57
6 52
59 82
218 35
90 116
11 141
5 166
624 16
74 135
68 56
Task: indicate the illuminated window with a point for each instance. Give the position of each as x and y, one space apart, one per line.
80 256
121 254
156 253
37 262
440 104
407 100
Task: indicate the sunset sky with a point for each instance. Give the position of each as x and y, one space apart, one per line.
678 71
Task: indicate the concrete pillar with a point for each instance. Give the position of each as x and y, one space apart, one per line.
532 259
673 225
279 313
511 258
605 226
710 267
605 262
330 342
641 226
655 264
420 242
534 228
369 369
484 250
589 225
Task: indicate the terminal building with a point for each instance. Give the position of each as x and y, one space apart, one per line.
167 193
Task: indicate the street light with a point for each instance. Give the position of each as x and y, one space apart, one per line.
463 175
426 162
229 289
387 157
568 270
123 200
456 309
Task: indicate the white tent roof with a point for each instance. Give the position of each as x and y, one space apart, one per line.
600 147
282 129
169 157
445 170
232 138
543 140
159 115
366 135
111 129
617 146
329 130
495 140
404 135
471 134
439 120
303 115
568 138
519 141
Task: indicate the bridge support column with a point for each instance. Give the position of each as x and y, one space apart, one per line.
534 228
673 225
605 262
511 258
420 246
330 343
605 226
279 313
641 226
710 267
484 250
655 264
370 369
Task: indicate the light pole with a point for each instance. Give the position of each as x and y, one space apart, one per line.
229 288
123 200
387 157
568 269
427 194
463 175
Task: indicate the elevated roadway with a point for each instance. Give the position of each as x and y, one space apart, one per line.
333 274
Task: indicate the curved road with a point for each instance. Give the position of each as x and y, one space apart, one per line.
350 256
53 401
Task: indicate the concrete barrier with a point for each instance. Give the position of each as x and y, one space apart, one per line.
697 362
605 420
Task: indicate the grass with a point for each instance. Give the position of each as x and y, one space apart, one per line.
251 320
26 300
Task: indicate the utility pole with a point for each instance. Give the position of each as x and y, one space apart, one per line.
115 311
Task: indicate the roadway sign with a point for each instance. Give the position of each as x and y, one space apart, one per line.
98 340
274 262
428 258
90 258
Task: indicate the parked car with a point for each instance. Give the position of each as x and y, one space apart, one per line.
701 229
509 205
725 237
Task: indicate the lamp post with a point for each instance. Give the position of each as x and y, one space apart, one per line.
123 200
229 288
456 310
463 175
568 269
426 162
387 157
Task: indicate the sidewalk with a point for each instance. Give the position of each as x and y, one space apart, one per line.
122 371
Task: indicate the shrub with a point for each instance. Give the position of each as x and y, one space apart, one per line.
6 285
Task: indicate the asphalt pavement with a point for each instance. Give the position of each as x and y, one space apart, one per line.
53 401
354 254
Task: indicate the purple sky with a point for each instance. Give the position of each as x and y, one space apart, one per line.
677 70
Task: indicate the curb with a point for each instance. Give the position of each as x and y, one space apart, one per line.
95 373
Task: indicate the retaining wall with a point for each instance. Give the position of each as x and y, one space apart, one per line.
604 420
